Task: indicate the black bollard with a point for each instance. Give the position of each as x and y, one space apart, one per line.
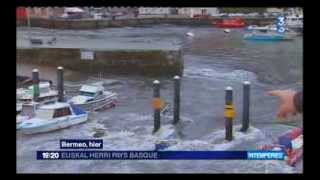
156 105
60 83
176 100
229 113
35 82
246 106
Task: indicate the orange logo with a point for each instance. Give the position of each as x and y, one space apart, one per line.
157 103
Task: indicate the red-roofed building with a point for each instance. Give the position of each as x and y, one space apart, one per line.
21 13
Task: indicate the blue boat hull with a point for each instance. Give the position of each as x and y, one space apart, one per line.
267 38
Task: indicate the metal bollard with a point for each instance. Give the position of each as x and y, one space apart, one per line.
176 100
246 106
60 83
156 105
35 82
229 113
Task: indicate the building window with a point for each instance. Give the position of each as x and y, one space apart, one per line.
43 11
32 11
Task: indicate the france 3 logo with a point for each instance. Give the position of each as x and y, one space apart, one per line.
281 24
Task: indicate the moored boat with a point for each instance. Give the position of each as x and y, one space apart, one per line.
255 27
294 22
230 23
46 94
265 35
53 117
93 98
271 28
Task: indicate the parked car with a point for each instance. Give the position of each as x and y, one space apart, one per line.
236 14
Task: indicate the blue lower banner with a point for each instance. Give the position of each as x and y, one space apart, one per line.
160 155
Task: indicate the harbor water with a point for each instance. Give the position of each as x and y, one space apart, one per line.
213 60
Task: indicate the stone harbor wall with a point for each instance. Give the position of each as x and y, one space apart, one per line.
140 62
98 24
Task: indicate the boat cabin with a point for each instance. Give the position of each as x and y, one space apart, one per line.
91 91
55 110
294 20
28 109
262 31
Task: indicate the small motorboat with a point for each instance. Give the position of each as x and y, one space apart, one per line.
230 23
26 81
46 94
255 27
53 117
226 30
72 89
93 98
271 28
294 22
267 35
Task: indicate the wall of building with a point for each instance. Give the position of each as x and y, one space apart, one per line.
45 12
39 12
275 10
190 12
153 11
21 13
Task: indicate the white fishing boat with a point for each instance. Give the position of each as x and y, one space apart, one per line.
267 27
271 28
72 89
46 94
226 30
94 97
294 22
53 117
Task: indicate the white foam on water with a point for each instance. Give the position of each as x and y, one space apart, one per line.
191 146
274 166
128 140
237 75
182 123
166 132
216 140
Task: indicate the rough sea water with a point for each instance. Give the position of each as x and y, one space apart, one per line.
213 60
